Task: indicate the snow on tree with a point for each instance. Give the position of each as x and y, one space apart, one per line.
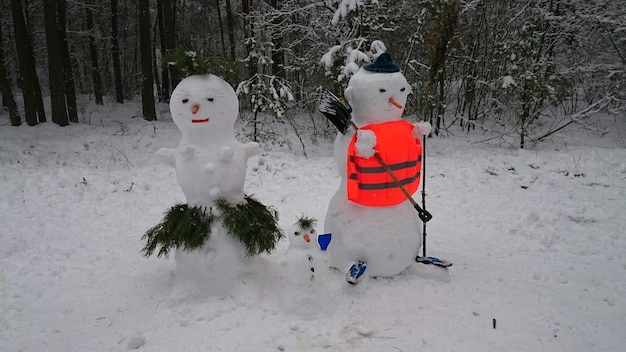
351 22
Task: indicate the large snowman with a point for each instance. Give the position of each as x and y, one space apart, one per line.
210 164
376 231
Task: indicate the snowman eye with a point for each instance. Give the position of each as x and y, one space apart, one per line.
403 89
382 90
296 233
210 99
185 101
312 231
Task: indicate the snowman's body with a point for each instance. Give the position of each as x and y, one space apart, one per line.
210 164
387 238
206 173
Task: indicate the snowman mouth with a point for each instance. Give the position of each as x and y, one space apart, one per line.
200 120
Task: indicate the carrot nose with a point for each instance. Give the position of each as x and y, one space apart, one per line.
195 108
395 103
307 237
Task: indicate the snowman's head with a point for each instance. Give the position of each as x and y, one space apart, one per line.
300 236
204 102
378 92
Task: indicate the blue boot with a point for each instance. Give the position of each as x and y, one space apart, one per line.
356 271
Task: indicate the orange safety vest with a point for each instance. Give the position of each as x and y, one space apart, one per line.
368 182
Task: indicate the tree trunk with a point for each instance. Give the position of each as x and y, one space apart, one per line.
278 58
41 112
231 29
155 66
164 94
170 38
248 31
55 64
5 87
219 19
145 43
26 61
93 51
66 61
115 52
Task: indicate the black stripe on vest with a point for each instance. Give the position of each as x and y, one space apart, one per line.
384 185
380 169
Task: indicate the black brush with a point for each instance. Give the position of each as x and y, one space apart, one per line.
336 110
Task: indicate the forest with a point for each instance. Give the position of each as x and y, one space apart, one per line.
516 70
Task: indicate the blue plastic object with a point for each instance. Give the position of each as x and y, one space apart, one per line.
324 240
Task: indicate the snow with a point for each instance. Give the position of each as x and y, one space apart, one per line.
536 237
508 81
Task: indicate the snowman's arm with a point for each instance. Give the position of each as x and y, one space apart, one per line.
186 152
251 149
365 143
421 129
166 156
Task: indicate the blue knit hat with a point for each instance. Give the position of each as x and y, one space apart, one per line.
383 64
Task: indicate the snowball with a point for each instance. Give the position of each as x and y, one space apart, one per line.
136 341
365 142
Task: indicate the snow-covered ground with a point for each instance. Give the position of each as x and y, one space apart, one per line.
537 238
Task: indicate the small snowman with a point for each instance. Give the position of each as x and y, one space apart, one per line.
306 257
376 231
211 168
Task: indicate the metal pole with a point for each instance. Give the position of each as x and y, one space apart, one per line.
424 194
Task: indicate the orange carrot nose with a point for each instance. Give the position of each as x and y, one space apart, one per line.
395 103
195 108
307 237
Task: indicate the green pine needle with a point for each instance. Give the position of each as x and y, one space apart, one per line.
252 223
182 226
305 222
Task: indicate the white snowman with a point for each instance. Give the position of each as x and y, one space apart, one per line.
210 164
376 231
306 261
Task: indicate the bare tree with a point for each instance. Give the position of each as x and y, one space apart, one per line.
5 87
170 38
93 51
231 29
115 52
55 64
219 19
278 56
147 81
66 62
442 36
33 102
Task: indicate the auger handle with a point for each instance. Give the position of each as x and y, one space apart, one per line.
423 214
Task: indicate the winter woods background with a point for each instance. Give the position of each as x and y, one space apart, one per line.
519 70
